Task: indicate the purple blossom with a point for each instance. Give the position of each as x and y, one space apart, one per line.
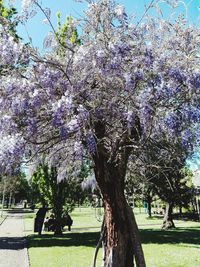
73 125
191 114
172 121
89 183
11 152
194 80
177 75
120 49
157 80
63 133
129 82
149 58
129 119
83 114
56 120
138 75
98 113
78 150
145 116
31 127
91 143
100 58
187 139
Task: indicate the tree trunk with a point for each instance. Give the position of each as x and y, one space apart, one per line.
58 228
3 198
58 209
121 241
10 198
180 209
149 200
57 201
198 209
168 221
13 201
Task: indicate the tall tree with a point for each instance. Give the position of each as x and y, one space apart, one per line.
162 167
15 187
103 99
137 183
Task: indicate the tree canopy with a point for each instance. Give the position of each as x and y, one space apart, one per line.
102 98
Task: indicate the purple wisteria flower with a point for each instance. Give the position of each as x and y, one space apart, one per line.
91 143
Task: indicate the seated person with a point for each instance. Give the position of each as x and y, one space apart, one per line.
67 220
50 223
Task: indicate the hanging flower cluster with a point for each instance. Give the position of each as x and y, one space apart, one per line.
118 85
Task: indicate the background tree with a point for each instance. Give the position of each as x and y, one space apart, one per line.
174 191
16 189
163 168
61 197
138 185
23 189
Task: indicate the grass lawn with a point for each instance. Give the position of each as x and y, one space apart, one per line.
74 249
172 248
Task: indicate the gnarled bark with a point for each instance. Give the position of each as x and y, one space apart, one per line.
121 242
168 220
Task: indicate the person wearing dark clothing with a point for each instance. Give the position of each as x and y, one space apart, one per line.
50 223
39 220
67 220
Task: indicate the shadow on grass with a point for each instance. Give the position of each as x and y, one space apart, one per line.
155 217
155 236
19 210
66 240
188 216
179 235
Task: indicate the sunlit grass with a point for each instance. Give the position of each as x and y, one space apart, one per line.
172 248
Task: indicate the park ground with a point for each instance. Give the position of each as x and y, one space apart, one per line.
178 247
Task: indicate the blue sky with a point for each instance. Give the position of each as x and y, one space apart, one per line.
37 30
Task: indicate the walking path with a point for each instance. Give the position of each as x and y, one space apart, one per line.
13 250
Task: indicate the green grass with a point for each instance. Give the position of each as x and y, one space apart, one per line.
179 247
172 248
74 249
71 250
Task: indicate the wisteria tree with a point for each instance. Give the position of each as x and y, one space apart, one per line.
102 99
